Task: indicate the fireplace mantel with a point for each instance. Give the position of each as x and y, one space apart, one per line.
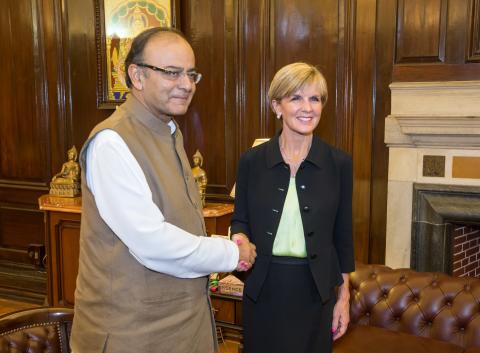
432 131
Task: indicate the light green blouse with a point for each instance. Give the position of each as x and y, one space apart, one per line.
290 239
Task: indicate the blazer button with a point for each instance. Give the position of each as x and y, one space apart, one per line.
310 234
302 187
269 233
313 256
306 208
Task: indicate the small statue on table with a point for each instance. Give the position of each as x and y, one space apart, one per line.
199 175
67 182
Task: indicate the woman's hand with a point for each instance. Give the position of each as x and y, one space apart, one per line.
247 251
341 311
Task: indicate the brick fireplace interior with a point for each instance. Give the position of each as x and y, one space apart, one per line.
466 250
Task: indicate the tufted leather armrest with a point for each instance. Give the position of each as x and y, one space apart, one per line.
424 304
45 330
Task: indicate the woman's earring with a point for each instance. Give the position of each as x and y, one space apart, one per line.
279 115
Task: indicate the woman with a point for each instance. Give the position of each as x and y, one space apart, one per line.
293 200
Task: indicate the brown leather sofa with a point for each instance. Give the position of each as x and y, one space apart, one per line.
401 310
39 330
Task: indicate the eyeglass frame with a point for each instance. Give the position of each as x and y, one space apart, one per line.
197 76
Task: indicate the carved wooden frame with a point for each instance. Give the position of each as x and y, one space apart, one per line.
103 100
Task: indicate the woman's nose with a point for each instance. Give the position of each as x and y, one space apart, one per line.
307 105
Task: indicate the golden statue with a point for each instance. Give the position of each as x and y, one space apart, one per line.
199 175
67 182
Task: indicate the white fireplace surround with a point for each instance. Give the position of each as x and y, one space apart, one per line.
427 118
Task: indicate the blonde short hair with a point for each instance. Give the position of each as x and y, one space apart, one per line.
293 77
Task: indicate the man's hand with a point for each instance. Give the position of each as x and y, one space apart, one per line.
247 252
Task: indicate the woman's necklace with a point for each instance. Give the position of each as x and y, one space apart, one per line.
294 159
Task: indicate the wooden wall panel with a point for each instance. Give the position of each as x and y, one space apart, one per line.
461 40
308 31
80 78
364 69
20 227
421 30
473 52
208 125
255 70
23 122
456 41
24 148
384 39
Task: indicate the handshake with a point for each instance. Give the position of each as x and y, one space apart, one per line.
247 251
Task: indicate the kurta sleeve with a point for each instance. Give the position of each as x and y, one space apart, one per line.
124 201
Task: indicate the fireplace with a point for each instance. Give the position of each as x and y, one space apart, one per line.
445 228
433 136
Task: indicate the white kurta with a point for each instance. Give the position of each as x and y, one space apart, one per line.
124 200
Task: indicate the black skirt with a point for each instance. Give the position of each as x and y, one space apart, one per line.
289 316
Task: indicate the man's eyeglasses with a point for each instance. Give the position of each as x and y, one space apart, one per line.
174 75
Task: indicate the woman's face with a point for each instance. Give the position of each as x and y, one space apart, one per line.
300 111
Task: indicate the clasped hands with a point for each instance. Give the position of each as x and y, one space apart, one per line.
247 251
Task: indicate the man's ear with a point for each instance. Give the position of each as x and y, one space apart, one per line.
135 73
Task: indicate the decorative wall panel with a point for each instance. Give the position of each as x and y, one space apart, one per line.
421 30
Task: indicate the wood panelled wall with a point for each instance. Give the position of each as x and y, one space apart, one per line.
48 97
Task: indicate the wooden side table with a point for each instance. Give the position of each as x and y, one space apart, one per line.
217 217
62 243
228 316
62 229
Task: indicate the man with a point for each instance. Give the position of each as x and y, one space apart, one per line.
142 281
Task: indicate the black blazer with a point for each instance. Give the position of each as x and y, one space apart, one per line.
324 188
